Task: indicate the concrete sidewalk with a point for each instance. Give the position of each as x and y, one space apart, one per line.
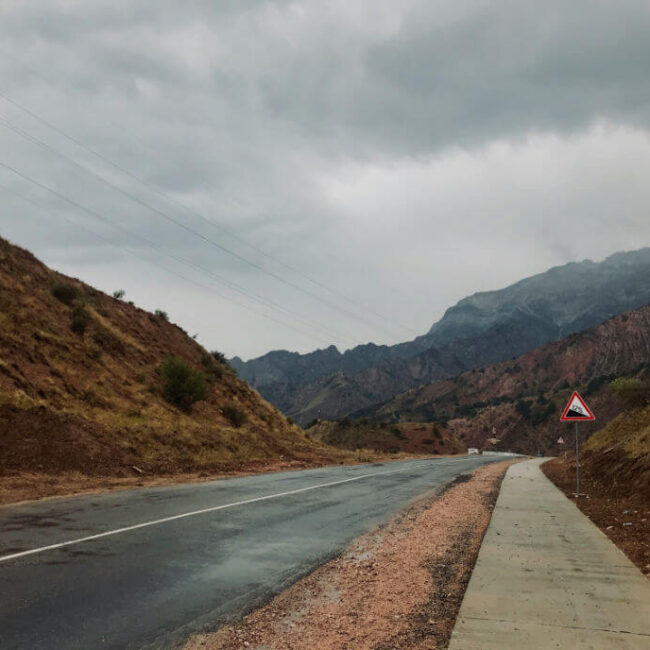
546 577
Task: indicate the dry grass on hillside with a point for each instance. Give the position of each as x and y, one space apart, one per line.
81 387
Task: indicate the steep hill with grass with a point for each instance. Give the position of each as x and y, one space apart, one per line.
409 437
516 404
90 383
620 451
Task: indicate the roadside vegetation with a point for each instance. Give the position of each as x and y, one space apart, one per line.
182 386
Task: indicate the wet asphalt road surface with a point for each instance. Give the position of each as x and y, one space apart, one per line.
153 585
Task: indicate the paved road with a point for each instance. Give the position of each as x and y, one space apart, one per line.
546 577
162 563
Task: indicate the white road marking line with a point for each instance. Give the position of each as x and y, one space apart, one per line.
193 513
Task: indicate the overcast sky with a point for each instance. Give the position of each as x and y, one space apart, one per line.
294 174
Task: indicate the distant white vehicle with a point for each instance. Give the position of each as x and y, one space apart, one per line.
472 450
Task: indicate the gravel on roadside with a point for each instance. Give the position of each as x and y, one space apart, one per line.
400 586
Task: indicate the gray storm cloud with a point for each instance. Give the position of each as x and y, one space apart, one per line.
402 154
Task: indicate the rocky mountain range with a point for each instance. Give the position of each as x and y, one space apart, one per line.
481 329
516 404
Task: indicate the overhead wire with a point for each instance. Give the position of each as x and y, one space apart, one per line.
40 143
149 242
177 203
169 218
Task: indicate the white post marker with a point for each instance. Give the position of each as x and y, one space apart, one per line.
576 411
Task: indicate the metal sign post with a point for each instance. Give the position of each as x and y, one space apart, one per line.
577 463
575 411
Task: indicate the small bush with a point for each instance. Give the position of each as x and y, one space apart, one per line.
119 294
182 386
429 441
80 320
233 413
219 357
159 313
523 408
66 293
633 392
213 370
94 352
290 420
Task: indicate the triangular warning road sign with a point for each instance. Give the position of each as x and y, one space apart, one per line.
576 410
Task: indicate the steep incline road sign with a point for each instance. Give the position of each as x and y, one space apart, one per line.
576 410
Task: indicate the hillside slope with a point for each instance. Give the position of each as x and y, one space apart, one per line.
517 402
81 388
481 329
409 437
615 479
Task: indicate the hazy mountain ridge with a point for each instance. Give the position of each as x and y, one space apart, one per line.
518 402
481 329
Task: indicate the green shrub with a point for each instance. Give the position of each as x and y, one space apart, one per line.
182 386
633 392
80 320
233 413
219 357
66 293
119 294
523 408
213 370
159 313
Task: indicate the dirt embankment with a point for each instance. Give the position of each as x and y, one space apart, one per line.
619 508
398 587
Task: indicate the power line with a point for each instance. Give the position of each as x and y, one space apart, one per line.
180 224
229 283
166 269
184 207
211 223
147 241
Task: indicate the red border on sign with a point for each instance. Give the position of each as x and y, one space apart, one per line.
589 417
